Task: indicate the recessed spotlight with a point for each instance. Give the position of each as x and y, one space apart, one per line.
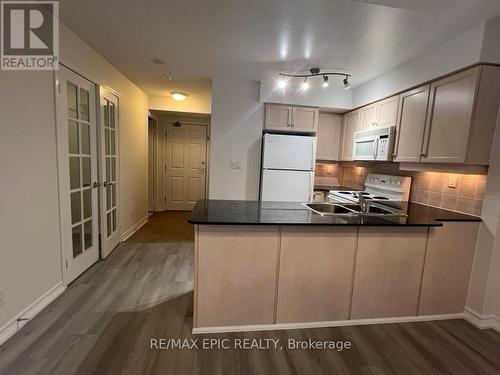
305 84
325 81
178 96
169 77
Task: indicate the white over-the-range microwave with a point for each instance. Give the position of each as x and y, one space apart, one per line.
374 144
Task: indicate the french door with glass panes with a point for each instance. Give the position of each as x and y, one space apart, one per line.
110 222
77 163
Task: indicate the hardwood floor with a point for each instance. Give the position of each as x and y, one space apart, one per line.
165 226
104 323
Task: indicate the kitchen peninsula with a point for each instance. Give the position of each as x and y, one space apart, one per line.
271 265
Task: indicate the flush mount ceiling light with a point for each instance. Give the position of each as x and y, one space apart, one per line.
179 96
167 76
315 72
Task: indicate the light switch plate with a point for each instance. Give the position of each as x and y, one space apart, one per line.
235 164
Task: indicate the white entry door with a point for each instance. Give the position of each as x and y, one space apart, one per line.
110 222
185 165
78 184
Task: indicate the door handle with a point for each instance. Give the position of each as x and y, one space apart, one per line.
96 185
106 183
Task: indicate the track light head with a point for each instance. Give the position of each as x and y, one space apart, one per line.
282 83
325 81
347 85
305 84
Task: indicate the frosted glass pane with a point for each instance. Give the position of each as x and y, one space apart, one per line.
71 91
87 234
86 172
74 172
87 203
84 104
77 240
73 139
85 128
76 207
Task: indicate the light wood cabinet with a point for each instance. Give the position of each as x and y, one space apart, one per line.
449 117
387 112
448 263
388 276
278 117
328 136
368 117
305 119
289 118
235 278
350 126
315 286
410 127
461 112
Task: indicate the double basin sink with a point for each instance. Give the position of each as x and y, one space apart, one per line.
325 209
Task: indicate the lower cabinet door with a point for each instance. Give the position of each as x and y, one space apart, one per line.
448 263
389 267
235 275
315 274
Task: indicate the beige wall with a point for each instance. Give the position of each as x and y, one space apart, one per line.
30 261
236 134
200 103
484 293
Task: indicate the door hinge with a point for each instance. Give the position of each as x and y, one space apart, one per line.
165 198
59 87
66 263
165 167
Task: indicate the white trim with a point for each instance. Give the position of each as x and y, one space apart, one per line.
129 232
334 323
13 325
482 321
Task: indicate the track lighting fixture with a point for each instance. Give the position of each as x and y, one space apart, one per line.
325 81
314 72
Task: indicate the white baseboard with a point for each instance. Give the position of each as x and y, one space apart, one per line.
335 323
482 321
129 232
15 324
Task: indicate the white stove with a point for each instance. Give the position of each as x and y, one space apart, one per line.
379 188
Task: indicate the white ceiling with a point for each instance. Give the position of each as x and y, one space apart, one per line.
254 39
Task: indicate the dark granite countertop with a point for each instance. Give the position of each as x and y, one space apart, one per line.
231 212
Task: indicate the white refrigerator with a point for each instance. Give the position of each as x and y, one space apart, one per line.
287 168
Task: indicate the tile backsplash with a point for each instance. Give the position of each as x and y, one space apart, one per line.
456 192
451 191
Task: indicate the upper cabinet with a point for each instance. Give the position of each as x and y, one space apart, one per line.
387 112
291 118
411 124
328 136
278 117
452 120
351 123
368 117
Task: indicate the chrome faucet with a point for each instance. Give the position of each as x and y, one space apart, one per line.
362 203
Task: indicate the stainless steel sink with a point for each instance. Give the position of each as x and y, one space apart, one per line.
324 209
329 209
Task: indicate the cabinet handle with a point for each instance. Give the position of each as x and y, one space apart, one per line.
289 125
